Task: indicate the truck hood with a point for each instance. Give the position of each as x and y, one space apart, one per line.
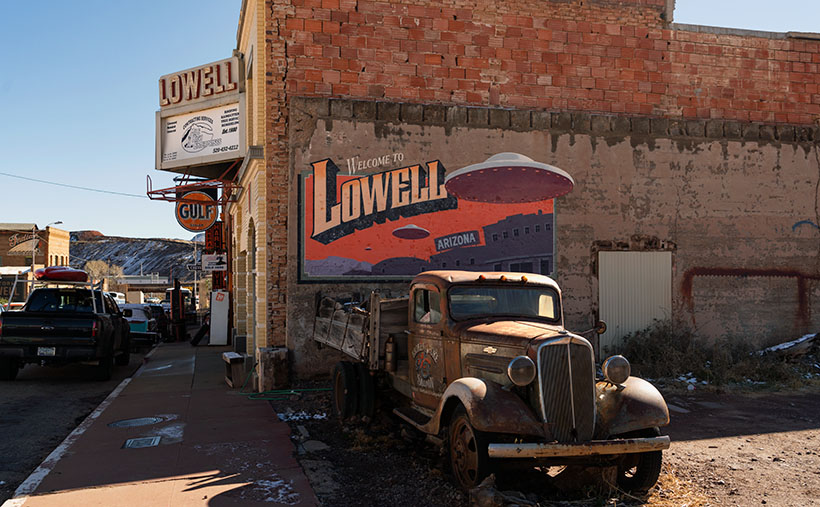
507 333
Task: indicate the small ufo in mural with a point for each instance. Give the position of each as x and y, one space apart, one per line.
508 178
411 232
368 247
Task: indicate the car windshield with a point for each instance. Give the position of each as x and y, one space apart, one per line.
467 302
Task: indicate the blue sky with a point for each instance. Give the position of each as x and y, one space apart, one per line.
78 92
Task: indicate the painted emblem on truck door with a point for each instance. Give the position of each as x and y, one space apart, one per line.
425 361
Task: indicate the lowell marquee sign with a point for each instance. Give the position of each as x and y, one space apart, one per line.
201 119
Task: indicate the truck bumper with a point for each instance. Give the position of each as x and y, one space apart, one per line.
29 354
144 339
591 448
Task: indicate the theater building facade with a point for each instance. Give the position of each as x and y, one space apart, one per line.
693 152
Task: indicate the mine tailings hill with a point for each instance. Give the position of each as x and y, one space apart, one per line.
135 255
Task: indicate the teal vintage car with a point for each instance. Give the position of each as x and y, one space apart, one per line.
143 326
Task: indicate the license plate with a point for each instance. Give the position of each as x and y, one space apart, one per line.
46 351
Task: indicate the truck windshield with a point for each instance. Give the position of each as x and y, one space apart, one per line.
468 302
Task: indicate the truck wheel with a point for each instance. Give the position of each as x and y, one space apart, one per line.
125 356
638 472
8 368
104 370
367 391
345 390
469 461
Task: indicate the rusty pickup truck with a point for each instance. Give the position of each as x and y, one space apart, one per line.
488 371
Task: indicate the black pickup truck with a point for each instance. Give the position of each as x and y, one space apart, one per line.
63 325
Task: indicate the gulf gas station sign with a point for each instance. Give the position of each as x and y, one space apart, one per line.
196 212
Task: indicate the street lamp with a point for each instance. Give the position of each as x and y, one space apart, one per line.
35 241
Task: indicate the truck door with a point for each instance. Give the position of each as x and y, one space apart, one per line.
425 345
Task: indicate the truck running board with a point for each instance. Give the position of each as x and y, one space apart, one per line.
412 416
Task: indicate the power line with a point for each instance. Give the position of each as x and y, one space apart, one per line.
73 186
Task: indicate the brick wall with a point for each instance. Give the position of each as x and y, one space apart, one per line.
620 59
611 57
276 160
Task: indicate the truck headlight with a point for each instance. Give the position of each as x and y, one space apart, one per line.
616 369
521 370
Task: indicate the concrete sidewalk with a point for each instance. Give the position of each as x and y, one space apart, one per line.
215 446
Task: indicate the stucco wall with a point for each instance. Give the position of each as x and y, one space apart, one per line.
734 202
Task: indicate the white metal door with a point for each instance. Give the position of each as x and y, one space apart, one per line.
634 289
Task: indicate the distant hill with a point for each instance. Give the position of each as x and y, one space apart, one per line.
135 255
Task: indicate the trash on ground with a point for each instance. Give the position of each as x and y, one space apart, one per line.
300 416
796 347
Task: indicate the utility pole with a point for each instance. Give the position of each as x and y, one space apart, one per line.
33 248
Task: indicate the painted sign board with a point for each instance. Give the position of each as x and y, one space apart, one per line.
201 120
214 262
201 83
25 247
198 137
395 219
6 287
214 239
196 216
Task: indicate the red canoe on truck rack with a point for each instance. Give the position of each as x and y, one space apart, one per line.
61 274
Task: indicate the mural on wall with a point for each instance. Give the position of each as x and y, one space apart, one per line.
400 219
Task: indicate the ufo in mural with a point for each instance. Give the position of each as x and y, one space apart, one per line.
508 178
411 232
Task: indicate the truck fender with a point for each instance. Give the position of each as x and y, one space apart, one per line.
634 405
489 407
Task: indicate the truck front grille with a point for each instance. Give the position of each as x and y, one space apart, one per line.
566 372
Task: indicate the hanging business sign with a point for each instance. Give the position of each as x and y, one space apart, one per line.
199 215
194 137
214 262
201 120
200 83
214 239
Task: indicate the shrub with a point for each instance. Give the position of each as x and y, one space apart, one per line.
668 350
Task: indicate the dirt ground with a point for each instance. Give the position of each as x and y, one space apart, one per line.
747 449
727 449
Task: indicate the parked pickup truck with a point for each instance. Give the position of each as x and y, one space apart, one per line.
489 372
60 325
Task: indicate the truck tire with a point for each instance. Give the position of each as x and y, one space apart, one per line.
125 355
345 390
104 370
367 391
638 473
8 368
469 461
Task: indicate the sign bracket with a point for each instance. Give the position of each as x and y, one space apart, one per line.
174 194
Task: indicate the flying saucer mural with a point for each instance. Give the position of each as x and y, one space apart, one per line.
411 231
496 215
508 178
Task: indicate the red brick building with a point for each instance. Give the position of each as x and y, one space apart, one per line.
693 151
